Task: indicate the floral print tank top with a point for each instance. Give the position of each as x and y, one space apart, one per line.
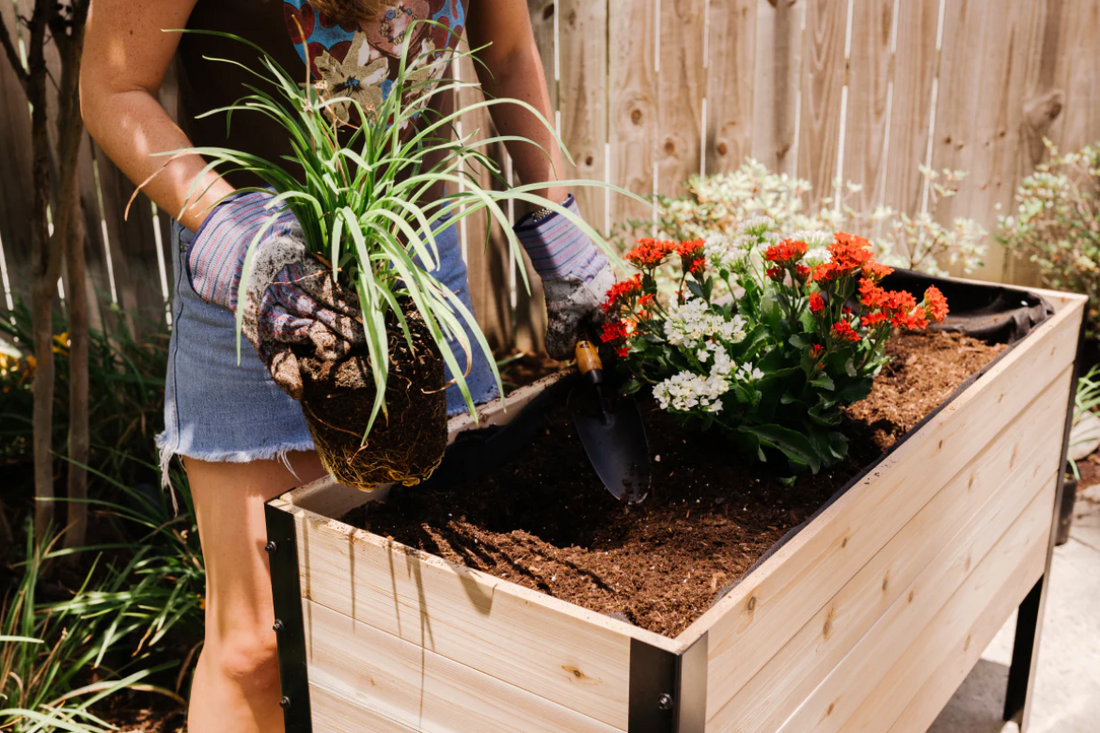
361 62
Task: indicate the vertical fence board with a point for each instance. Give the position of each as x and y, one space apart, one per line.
869 94
632 103
731 72
980 108
1077 74
681 85
582 96
486 260
822 84
915 65
776 83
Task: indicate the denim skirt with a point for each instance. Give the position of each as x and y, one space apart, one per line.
216 409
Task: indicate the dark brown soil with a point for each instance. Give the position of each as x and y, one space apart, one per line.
138 712
547 523
338 398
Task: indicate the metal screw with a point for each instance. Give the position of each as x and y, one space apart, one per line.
284 702
270 548
665 701
278 626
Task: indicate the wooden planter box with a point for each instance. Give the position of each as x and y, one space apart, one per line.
867 619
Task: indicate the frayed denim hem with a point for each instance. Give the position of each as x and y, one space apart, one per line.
168 448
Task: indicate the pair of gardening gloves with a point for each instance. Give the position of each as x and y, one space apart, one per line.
291 299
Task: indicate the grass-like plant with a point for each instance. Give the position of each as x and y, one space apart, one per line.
50 652
364 195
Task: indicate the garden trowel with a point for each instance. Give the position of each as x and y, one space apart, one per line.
612 434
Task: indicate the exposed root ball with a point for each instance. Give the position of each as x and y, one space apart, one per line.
405 447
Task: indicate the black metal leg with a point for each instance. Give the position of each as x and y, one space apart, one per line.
1024 650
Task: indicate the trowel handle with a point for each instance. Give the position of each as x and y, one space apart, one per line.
588 361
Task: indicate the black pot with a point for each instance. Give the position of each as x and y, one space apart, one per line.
1065 511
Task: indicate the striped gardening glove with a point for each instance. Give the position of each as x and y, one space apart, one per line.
291 299
575 276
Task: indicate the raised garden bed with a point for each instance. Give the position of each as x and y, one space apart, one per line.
864 616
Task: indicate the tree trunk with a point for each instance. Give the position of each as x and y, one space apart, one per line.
46 266
70 131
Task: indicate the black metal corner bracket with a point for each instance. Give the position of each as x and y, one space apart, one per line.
286 592
668 691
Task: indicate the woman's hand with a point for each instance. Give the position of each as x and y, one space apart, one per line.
290 298
575 276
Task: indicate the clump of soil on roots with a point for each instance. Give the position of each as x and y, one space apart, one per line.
546 522
404 446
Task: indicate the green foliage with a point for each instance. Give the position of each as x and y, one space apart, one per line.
1057 224
765 340
52 666
364 196
125 391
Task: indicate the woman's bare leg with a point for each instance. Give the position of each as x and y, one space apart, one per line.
236 685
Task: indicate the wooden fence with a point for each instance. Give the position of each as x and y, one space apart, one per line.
648 92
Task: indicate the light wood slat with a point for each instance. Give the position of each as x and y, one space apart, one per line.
1078 75
821 83
955 638
682 84
632 104
538 643
869 70
542 25
485 246
980 108
413 685
972 511
582 46
1012 560
915 65
776 83
334 710
762 613
731 72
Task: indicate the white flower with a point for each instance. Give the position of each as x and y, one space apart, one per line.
684 392
722 253
816 256
748 373
691 323
757 226
814 238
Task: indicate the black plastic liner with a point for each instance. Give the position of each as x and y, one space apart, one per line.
992 313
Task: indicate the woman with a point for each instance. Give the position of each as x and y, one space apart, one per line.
242 439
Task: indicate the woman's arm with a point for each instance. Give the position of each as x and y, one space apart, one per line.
513 70
126 53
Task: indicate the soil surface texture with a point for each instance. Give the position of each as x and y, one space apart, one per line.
546 522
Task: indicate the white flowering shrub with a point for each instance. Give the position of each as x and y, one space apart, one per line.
1057 223
714 207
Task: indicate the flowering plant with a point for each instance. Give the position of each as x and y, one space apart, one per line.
764 338
1057 224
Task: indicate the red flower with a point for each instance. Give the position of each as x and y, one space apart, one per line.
824 272
623 351
621 292
816 351
935 304
775 273
913 320
871 295
613 331
816 302
801 272
786 252
649 253
690 249
875 271
850 253
874 320
843 331
698 265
